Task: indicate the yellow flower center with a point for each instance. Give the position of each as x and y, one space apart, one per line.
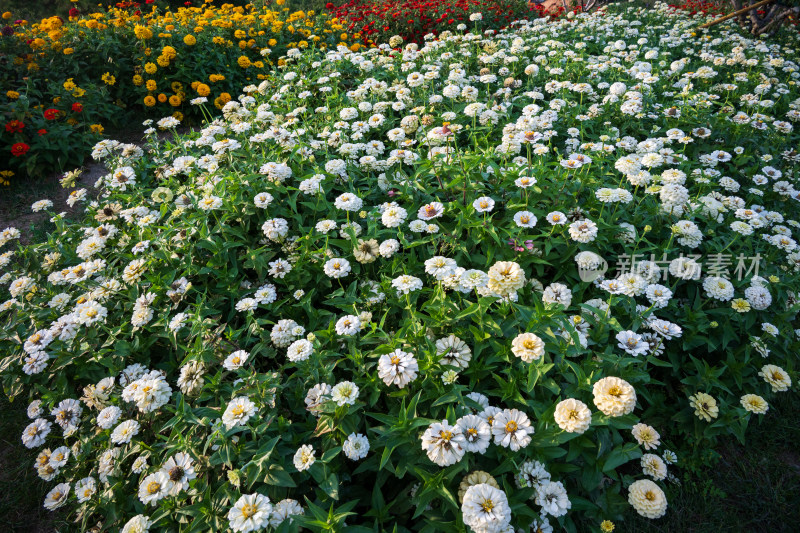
153 487
487 506
248 510
511 427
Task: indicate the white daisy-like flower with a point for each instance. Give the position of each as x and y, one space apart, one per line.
304 457
444 444
397 368
356 446
251 512
512 428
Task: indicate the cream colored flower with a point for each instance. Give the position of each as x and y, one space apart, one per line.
777 377
475 478
705 406
646 436
573 416
505 278
527 347
654 466
647 498
754 404
614 396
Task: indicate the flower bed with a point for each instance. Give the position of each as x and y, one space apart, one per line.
496 281
125 62
413 19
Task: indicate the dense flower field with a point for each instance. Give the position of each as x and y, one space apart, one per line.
413 19
502 281
95 69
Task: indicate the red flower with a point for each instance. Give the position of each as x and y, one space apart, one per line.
329 5
74 12
77 107
42 132
15 126
19 149
51 114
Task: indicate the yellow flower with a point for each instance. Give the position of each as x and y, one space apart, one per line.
169 52
150 68
137 80
280 2
149 101
704 405
12 94
244 61
109 79
97 128
7 15
176 86
142 32
178 115
239 34
607 526
189 40
162 60
151 85
4 177
343 36
69 51
203 89
272 42
78 92
162 98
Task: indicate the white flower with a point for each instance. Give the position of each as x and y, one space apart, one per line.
485 509
484 204
528 347
443 443
573 416
238 412
154 488
337 268
512 429
124 432
356 446
525 219
654 466
57 497
348 325
299 350
344 393
631 342
138 524
398 368
614 396
284 510
348 202
552 496
251 512
406 284
477 433
108 416
235 360
304 457
34 435
647 498
180 470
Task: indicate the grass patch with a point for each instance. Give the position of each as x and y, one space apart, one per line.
21 490
749 489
